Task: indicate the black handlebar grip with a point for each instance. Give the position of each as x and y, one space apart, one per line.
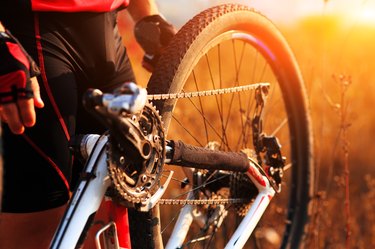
92 98
197 157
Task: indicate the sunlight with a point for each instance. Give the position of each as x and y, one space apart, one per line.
367 16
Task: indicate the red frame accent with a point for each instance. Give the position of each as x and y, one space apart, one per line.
119 214
258 177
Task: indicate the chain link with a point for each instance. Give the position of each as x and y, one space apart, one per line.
206 93
201 202
201 94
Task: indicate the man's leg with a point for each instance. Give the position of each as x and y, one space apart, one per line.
29 230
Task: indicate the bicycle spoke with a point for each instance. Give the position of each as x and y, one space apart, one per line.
201 106
231 57
220 110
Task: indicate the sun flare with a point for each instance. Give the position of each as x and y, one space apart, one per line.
367 16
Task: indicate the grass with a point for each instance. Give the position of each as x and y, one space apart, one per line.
336 61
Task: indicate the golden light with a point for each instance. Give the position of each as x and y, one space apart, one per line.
366 16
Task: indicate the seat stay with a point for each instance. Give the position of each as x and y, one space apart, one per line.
250 221
266 192
188 213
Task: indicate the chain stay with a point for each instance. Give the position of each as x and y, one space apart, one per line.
207 93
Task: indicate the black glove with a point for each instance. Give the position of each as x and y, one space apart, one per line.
16 68
153 33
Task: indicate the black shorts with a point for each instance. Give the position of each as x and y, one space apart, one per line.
75 51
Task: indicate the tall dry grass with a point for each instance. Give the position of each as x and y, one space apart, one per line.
336 58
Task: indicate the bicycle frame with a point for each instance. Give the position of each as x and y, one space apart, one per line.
244 230
94 183
86 199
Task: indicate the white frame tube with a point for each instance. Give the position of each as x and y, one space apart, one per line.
86 199
247 225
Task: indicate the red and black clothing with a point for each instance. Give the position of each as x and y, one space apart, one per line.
77 5
76 47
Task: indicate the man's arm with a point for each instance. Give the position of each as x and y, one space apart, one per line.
139 9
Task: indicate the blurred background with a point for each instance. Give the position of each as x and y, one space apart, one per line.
282 11
334 43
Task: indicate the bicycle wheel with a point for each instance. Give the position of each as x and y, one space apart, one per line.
228 47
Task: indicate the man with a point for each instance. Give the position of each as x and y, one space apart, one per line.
50 53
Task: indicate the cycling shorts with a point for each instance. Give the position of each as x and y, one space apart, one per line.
75 51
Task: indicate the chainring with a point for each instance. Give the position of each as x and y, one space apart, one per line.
135 182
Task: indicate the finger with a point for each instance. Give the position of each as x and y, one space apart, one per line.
27 112
38 102
11 115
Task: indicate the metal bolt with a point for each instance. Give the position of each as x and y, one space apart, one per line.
143 178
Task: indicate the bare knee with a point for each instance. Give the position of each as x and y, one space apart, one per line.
29 230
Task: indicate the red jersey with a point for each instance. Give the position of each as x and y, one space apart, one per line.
77 5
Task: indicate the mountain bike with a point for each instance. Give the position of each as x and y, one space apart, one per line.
218 154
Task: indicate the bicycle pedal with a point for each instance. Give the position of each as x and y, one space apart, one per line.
129 98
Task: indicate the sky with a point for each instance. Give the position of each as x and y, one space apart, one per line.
282 11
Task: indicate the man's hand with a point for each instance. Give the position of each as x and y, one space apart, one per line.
153 33
151 30
21 114
18 93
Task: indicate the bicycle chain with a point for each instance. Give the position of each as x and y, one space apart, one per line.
206 93
126 194
202 202
202 94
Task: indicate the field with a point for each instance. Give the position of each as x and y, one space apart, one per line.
337 61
